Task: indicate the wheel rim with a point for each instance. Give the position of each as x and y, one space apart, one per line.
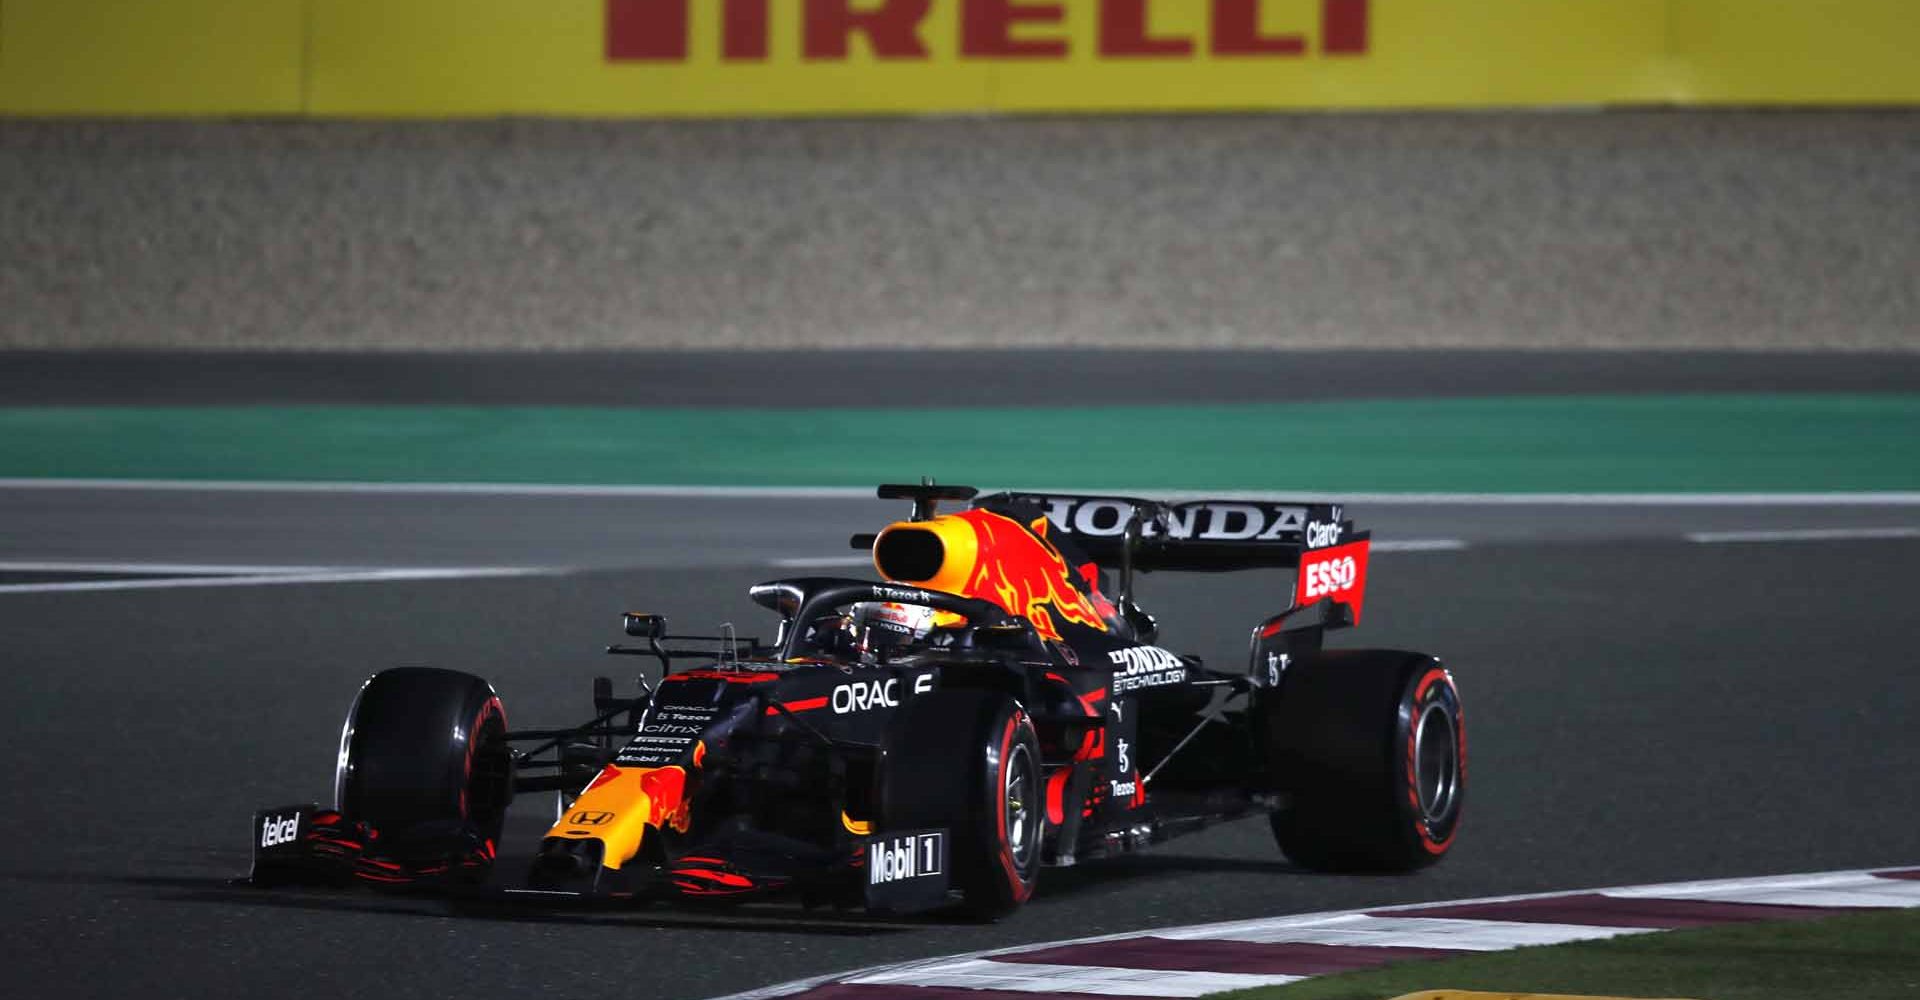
1436 755
1017 793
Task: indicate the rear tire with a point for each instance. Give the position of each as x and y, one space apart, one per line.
969 762
1369 749
425 748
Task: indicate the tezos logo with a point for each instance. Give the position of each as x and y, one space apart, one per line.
276 830
1277 664
1332 576
902 858
1122 789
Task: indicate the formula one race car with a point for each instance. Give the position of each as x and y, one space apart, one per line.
929 740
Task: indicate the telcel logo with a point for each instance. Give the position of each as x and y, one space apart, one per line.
276 830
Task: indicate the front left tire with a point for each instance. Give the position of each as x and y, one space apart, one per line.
425 749
969 762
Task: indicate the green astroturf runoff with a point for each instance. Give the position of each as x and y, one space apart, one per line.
1869 956
1708 443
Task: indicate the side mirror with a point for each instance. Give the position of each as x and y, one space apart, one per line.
644 625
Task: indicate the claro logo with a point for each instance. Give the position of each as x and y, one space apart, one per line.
662 30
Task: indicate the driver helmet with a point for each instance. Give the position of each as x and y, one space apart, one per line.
883 629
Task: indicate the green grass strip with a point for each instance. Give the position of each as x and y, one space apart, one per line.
1869 956
1526 444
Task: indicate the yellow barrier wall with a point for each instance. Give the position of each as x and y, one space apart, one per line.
516 56
1796 51
138 57
705 58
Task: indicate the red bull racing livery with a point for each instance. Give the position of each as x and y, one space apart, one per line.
993 704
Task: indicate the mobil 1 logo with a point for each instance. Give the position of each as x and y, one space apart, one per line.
907 870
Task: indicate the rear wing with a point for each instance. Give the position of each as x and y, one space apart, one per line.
1213 536
1197 536
1129 534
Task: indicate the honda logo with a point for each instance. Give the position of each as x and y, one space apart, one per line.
584 818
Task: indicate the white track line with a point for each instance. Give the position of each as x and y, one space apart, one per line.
1024 977
821 562
1841 890
1419 545
1804 499
1411 931
1800 535
439 489
155 569
272 579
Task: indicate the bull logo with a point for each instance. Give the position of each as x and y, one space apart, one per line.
1020 570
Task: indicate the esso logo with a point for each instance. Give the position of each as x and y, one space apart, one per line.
1330 577
862 695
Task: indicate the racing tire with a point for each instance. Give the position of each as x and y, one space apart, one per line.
424 751
969 762
1368 748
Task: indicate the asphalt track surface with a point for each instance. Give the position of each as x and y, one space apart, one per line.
1642 708
1639 711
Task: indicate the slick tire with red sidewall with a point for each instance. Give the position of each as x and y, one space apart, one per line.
1368 748
424 746
969 762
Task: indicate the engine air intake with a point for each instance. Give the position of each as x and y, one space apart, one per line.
909 554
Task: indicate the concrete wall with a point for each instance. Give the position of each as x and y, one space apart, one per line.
1618 230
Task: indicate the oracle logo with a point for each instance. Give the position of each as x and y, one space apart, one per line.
662 30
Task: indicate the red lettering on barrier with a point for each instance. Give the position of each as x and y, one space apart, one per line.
986 30
1343 27
653 30
744 30
658 30
893 28
1236 32
1123 32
